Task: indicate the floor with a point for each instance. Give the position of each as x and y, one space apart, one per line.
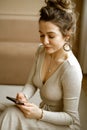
84 85
83 104
83 110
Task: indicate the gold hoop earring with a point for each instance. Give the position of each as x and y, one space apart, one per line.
67 47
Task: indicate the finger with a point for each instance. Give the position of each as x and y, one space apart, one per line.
28 104
23 107
26 113
19 96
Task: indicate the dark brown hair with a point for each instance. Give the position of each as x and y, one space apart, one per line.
60 13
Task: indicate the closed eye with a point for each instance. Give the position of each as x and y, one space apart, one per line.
51 37
41 35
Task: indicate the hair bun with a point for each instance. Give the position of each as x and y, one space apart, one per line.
65 5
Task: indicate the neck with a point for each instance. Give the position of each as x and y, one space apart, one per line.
60 54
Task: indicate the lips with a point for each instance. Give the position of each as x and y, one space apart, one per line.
46 46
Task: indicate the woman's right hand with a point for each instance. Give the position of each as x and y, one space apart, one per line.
21 97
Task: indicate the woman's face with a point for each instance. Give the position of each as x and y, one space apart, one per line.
51 37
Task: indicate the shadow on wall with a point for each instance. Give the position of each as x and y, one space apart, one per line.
83 39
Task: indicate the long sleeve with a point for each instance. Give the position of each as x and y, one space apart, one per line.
71 86
30 89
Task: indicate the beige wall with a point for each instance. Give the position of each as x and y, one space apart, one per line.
20 7
19 20
18 37
27 11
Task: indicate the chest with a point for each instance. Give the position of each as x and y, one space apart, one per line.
52 90
48 68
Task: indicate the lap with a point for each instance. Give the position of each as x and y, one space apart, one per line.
3 106
13 114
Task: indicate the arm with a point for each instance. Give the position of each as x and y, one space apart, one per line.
30 88
71 86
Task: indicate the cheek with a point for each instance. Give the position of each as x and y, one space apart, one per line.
57 46
59 43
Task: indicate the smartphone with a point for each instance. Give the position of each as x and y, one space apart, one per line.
15 100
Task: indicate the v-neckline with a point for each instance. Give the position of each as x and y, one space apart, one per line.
56 71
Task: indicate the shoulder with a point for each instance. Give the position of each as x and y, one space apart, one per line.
73 63
72 68
40 49
71 78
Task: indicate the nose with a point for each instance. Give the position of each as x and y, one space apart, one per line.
46 40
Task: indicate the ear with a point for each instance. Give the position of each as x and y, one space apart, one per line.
67 38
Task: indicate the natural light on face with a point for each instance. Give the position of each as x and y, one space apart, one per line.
50 36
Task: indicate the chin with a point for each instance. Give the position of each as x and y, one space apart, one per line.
49 51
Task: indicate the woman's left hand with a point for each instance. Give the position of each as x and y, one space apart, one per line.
30 110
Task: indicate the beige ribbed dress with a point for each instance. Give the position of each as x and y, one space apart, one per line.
60 96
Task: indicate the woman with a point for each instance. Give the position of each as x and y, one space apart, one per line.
57 74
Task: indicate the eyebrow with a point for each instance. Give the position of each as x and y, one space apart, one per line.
47 32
